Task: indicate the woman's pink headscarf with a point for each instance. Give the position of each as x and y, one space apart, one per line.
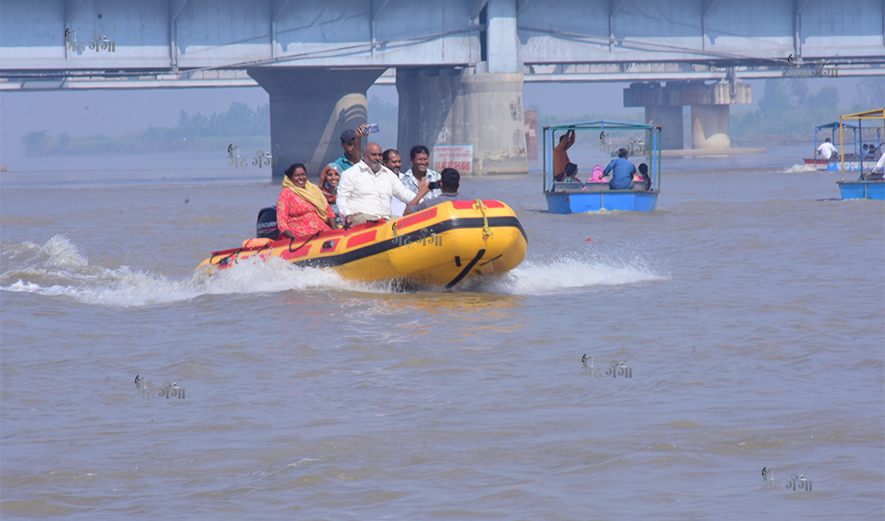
597 174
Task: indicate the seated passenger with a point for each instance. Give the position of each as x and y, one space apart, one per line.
449 184
827 150
880 165
366 189
622 178
420 158
571 170
302 210
597 175
560 154
571 173
643 174
329 179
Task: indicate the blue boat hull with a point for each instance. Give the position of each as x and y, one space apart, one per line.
862 189
836 166
580 202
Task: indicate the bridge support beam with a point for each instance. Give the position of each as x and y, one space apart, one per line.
446 106
709 109
309 108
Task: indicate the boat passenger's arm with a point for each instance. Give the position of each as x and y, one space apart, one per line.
332 219
570 140
604 172
402 193
360 132
423 189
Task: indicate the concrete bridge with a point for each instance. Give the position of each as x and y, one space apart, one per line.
459 64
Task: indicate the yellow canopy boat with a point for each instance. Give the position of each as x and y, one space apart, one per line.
441 246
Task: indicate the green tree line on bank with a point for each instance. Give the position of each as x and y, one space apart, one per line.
788 112
245 127
241 125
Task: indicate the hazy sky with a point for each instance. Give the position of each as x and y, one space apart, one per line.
115 112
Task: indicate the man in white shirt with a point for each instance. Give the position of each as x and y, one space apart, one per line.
394 162
366 189
880 165
827 149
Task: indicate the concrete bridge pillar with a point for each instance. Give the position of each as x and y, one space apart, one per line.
710 126
444 106
502 41
479 106
670 120
309 108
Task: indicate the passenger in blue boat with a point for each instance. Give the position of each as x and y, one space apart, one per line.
560 155
571 170
449 185
880 165
827 150
622 172
643 175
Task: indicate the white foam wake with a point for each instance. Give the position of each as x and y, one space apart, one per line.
801 168
540 278
58 269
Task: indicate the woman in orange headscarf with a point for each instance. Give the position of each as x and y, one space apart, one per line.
302 209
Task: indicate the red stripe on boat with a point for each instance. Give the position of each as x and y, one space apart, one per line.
466 205
416 218
362 239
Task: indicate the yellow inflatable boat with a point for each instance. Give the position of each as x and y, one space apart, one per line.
442 246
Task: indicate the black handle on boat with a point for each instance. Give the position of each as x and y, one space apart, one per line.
312 237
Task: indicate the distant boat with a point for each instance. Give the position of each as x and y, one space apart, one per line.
852 158
567 197
869 185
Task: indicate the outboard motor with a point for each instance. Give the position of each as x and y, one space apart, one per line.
267 223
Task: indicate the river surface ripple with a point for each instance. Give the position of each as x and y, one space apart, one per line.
749 306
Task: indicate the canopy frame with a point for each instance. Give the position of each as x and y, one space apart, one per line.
859 116
654 141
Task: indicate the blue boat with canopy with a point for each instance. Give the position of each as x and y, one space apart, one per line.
870 184
853 158
575 197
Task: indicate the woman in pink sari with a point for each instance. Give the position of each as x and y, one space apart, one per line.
302 209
